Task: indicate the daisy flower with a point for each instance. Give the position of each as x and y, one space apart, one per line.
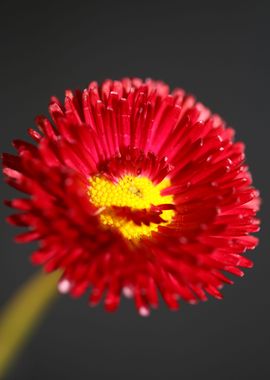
135 190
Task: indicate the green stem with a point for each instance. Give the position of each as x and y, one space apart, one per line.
21 315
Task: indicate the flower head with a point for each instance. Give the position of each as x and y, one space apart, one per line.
135 190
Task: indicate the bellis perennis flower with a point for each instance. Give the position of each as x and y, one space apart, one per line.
135 190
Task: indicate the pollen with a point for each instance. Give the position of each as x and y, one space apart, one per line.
134 192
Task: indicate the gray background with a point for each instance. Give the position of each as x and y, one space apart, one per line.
218 51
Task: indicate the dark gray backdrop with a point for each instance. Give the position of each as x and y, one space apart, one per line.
220 52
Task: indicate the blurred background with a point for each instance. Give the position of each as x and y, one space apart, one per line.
218 51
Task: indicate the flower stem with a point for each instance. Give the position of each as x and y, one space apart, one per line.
21 315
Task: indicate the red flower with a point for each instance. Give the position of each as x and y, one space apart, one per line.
137 190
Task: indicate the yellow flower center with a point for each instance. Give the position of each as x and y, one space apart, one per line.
136 193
